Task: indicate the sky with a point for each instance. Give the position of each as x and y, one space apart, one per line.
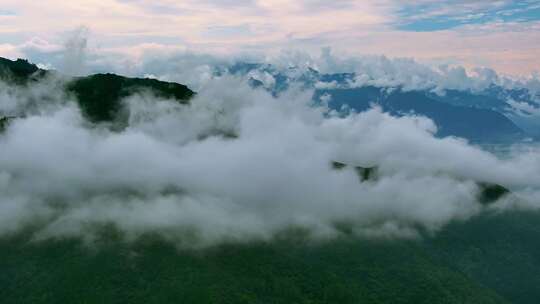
500 34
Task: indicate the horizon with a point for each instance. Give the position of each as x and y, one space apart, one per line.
501 35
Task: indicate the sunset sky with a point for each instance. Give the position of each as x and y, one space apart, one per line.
501 34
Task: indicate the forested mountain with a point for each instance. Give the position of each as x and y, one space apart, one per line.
98 95
493 257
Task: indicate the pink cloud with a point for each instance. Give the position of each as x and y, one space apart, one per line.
349 26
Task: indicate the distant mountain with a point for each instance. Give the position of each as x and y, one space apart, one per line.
479 117
475 124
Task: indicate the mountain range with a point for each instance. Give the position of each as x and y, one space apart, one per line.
491 258
483 116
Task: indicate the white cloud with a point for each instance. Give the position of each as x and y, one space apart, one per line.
171 171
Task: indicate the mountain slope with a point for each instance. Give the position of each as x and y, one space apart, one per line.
499 250
475 116
19 71
98 95
151 271
471 123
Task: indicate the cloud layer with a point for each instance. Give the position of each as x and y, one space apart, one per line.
178 172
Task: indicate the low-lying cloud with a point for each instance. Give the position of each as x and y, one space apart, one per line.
237 164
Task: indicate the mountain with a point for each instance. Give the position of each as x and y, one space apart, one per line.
479 117
475 124
98 95
491 258
500 251
19 71
282 271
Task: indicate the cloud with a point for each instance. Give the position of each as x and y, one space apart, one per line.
172 172
524 108
195 69
357 27
74 52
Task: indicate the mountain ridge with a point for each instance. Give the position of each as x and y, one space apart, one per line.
450 114
481 118
98 95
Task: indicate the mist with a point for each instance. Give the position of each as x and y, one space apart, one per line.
237 165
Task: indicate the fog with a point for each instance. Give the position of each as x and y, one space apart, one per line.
237 165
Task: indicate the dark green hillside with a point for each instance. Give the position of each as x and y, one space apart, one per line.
483 260
19 71
4 120
500 251
343 271
99 95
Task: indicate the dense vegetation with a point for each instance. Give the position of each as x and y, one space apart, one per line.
151 271
3 122
489 259
19 71
500 250
99 95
